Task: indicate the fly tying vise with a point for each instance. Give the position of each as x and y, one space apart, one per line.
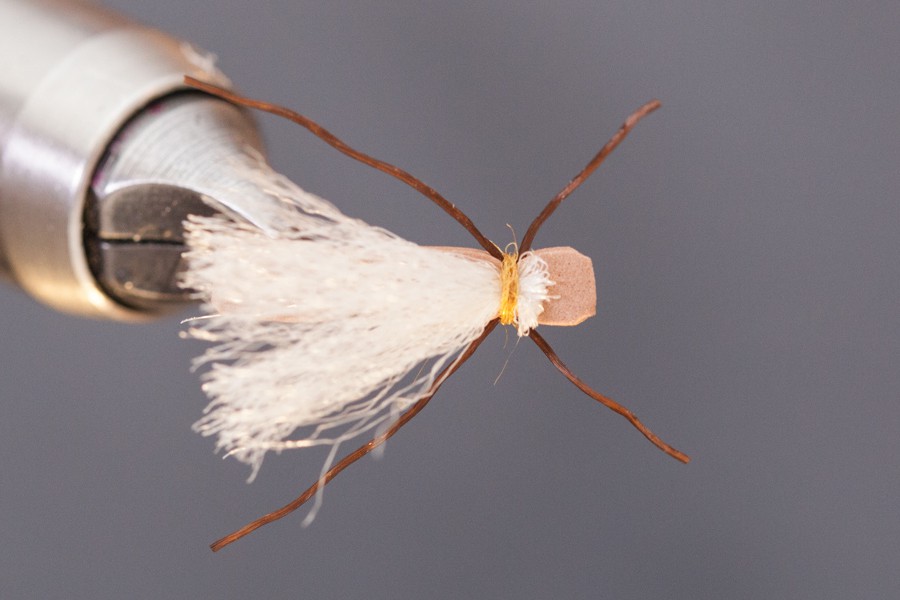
279 311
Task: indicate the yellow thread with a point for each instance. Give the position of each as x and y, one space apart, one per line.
509 291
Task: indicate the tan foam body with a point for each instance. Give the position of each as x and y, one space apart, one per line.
575 286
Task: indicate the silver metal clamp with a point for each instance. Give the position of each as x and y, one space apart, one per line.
103 152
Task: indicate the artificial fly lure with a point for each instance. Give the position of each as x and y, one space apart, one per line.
352 328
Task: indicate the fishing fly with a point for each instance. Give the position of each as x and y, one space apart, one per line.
324 327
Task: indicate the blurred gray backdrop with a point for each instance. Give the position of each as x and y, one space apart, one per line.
746 241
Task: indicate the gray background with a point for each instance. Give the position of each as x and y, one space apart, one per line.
745 240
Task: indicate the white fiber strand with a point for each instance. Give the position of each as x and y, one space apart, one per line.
318 323
534 283
325 327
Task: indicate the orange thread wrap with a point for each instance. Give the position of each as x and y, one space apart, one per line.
509 291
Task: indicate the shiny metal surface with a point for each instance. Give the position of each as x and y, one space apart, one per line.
72 76
162 165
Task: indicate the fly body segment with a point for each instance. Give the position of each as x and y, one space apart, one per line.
324 327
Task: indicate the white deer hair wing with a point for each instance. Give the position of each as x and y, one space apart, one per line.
324 326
